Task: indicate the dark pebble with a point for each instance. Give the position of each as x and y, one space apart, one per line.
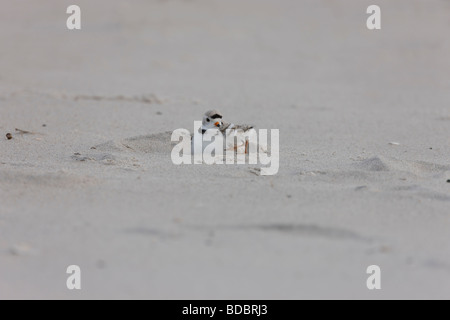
448 181
9 136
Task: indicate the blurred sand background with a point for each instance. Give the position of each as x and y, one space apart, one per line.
140 227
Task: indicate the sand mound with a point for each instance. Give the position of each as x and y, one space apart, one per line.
373 164
153 143
418 168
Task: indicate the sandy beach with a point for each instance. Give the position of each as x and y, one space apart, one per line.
87 178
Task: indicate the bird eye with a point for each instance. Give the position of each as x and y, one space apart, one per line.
207 120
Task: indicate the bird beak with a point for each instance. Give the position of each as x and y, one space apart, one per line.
217 124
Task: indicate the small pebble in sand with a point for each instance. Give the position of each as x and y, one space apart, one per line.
448 181
9 136
385 249
159 113
394 143
21 250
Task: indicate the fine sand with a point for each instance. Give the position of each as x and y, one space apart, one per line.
364 120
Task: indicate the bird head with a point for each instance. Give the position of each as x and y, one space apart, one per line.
212 120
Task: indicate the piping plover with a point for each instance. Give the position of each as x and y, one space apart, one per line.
237 137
